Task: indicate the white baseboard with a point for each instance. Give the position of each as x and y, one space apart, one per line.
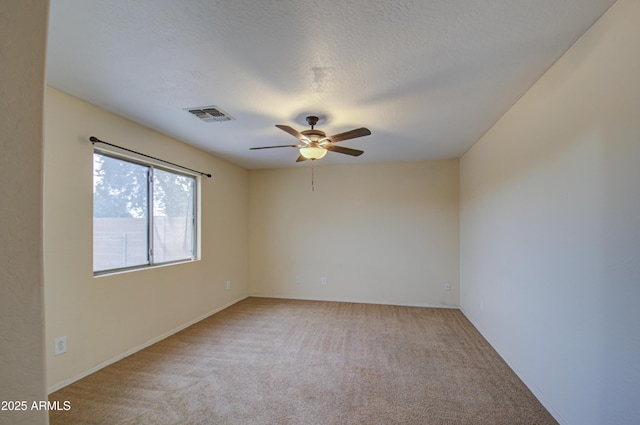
127 353
357 301
523 377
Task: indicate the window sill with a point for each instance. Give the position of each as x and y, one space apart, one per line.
141 268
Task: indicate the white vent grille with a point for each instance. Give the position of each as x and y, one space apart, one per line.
210 113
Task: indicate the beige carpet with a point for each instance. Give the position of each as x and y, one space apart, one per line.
271 361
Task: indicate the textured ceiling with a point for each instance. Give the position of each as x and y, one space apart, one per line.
427 77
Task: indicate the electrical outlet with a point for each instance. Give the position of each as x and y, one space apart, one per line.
323 280
60 345
447 286
228 285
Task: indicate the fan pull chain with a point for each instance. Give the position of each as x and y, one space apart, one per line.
313 187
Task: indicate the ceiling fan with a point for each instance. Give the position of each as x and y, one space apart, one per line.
314 144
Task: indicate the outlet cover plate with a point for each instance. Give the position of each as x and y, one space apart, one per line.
60 345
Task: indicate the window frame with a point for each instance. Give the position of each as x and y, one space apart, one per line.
152 165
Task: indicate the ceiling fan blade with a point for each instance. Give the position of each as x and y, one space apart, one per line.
301 158
358 132
341 149
295 133
279 146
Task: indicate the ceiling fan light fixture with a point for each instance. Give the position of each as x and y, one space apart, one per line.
313 152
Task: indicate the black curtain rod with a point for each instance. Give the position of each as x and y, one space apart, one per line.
95 140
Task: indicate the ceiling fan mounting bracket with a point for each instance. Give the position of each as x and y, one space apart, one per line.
312 120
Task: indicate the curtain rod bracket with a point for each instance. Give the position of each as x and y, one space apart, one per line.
95 140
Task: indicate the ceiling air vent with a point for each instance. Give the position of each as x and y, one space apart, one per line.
210 113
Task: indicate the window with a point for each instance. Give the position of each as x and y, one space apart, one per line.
143 215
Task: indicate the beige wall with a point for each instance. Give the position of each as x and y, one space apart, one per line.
107 317
381 233
23 32
550 229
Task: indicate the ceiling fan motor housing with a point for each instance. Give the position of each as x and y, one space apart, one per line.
314 135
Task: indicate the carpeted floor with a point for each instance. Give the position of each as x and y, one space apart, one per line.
272 361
